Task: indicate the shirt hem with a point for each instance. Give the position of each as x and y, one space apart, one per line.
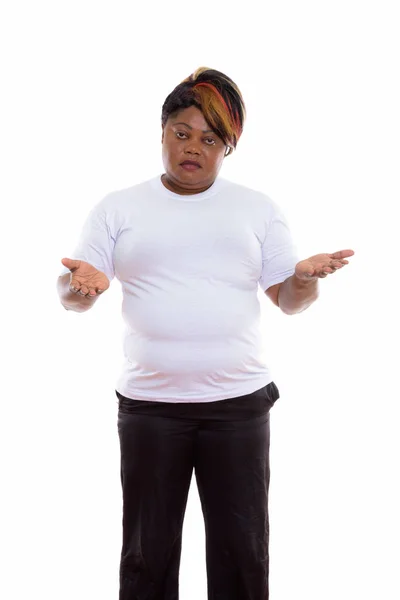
248 389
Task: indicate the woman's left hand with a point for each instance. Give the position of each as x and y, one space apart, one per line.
321 265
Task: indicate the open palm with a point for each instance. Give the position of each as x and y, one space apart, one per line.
321 265
85 279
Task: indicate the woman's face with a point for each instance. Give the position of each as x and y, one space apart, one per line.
188 137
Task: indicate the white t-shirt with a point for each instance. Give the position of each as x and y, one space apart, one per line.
190 267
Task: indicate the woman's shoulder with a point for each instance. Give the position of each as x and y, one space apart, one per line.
249 194
119 198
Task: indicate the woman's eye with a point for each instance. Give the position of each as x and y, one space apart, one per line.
210 141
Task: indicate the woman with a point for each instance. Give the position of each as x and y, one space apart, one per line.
190 250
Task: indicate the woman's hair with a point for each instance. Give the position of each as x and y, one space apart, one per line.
218 98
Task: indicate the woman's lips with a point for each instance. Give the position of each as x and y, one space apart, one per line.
189 167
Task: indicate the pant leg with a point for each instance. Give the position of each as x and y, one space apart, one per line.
233 473
156 470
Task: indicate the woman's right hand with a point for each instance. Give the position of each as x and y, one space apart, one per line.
85 279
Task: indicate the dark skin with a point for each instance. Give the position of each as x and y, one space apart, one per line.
193 141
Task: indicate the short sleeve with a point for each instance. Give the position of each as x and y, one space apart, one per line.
279 253
96 243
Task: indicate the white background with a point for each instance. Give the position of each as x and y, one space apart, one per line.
83 85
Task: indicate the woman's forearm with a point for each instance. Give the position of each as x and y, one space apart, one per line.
295 295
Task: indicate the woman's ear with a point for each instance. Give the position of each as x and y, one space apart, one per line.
228 151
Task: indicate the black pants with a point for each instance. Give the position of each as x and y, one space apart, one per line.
227 444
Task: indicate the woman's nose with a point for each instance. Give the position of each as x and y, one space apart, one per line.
193 148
